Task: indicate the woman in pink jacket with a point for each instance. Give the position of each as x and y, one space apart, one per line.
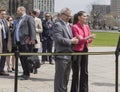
80 62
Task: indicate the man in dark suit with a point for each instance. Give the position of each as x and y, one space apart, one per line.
63 43
24 37
4 30
47 38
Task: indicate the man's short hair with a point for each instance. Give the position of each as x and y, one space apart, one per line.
2 10
64 10
22 8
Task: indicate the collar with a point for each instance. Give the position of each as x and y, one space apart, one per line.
23 15
65 23
82 26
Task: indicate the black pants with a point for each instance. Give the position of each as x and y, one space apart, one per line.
3 58
23 59
62 72
47 48
80 74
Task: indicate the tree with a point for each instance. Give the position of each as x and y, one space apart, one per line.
96 15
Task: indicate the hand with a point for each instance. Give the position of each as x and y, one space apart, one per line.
79 37
74 40
90 37
27 40
32 42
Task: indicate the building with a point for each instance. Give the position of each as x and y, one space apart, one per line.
115 6
44 5
13 4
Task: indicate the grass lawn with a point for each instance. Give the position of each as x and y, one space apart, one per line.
105 39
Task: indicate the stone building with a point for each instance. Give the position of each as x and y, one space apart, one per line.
115 6
11 5
44 5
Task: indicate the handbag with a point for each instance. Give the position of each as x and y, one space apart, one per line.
33 62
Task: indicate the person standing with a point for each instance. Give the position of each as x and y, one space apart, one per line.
39 29
47 38
39 15
4 30
64 40
80 62
10 47
0 38
24 37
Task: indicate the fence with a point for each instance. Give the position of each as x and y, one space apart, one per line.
116 53
17 54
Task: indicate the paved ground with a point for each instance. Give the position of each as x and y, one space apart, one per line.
101 76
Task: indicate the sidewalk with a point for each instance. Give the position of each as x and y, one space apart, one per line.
101 76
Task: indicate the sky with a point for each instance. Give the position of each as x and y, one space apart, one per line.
77 5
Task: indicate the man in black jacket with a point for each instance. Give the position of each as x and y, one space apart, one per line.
47 38
4 30
24 37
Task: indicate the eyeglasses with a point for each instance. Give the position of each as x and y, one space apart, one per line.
10 20
66 15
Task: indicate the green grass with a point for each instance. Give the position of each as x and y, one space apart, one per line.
105 39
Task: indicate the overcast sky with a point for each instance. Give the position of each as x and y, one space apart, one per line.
77 5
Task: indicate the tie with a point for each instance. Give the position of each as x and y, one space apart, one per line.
4 32
68 29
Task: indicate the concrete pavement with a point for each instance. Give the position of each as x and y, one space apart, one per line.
101 75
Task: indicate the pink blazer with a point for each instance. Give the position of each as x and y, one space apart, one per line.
83 31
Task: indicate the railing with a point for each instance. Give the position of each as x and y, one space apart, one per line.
116 53
17 54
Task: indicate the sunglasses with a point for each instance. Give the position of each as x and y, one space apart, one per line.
10 20
47 16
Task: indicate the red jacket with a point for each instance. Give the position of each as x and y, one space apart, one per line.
83 31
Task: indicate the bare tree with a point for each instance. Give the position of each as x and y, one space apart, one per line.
97 15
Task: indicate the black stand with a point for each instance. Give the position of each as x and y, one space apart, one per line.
116 61
16 71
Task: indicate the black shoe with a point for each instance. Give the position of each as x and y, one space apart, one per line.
35 71
51 63
31 70
24 77
4 74
13 69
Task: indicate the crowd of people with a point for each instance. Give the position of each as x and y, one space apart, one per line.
27 31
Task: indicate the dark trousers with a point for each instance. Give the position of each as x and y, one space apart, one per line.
80 74
3 58
23 59
62 72
47 48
